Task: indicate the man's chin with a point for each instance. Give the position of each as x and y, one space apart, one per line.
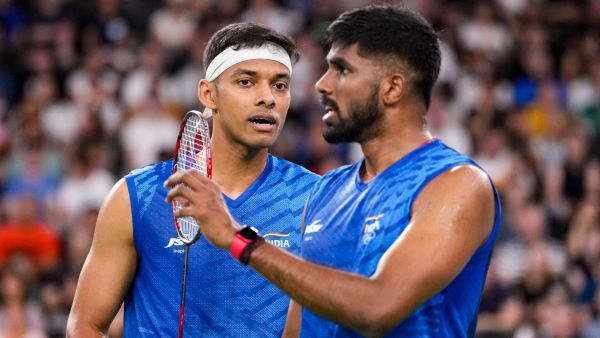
334 137
259 144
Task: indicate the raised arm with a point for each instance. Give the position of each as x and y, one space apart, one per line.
108 269
451 218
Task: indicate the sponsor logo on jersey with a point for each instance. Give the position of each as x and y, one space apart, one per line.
315 226
278 239
176 244
370 228
174 241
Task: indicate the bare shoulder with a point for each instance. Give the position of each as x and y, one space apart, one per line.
461 183
114 220
465 174
119 195
466 177
463 197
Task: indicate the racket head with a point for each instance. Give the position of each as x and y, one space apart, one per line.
192 151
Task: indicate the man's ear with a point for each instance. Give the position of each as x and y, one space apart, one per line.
206 94
393 88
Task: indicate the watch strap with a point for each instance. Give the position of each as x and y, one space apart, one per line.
245 257
244 242
239 244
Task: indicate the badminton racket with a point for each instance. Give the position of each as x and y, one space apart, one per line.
192 151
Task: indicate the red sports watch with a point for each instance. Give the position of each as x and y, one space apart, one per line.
244 242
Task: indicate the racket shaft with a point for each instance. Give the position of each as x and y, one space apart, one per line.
183 285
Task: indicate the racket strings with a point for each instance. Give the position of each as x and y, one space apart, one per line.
193 153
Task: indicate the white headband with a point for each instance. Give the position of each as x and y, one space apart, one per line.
230 57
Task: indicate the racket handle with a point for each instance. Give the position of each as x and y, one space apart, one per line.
181 311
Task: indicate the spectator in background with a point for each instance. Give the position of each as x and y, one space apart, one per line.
174 25
93 88
590 113
591 329
24 233
19 317
495 156
532 257
54 310
269 13
483 33
142 147
86 183
501 310
33 168
574 178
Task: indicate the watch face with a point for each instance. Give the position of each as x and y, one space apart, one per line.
249 233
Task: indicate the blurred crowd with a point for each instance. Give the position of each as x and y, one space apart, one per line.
90 90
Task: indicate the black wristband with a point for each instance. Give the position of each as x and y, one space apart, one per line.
245 257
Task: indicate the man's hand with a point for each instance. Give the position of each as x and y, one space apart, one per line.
202 199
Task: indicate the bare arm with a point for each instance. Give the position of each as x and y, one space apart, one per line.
451 218
116 327
292 323
108 269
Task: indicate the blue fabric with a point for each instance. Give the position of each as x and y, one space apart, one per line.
349 225
224 298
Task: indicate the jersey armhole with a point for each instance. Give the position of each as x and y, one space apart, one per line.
132 191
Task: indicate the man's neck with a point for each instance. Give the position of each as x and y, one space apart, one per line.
394 143
236 167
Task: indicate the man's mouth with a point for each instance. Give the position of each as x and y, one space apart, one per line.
263 122
331 109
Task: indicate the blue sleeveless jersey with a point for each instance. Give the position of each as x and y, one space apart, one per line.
223 298
349 225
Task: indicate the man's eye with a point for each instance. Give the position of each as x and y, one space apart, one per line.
281 86
245 82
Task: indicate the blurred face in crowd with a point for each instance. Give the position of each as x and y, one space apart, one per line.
22 210
12 287
349 92
531 223
252 99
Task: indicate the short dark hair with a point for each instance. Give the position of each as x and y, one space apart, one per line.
391 30
246 35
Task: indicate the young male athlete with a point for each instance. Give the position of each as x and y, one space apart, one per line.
398 243
136 256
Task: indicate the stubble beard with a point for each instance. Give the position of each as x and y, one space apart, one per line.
363 123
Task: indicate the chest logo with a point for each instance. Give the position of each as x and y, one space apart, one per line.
315 226
174 241
278 239
370 229
176 244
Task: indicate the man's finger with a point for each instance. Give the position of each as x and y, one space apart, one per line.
180 192
190 177
183 212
